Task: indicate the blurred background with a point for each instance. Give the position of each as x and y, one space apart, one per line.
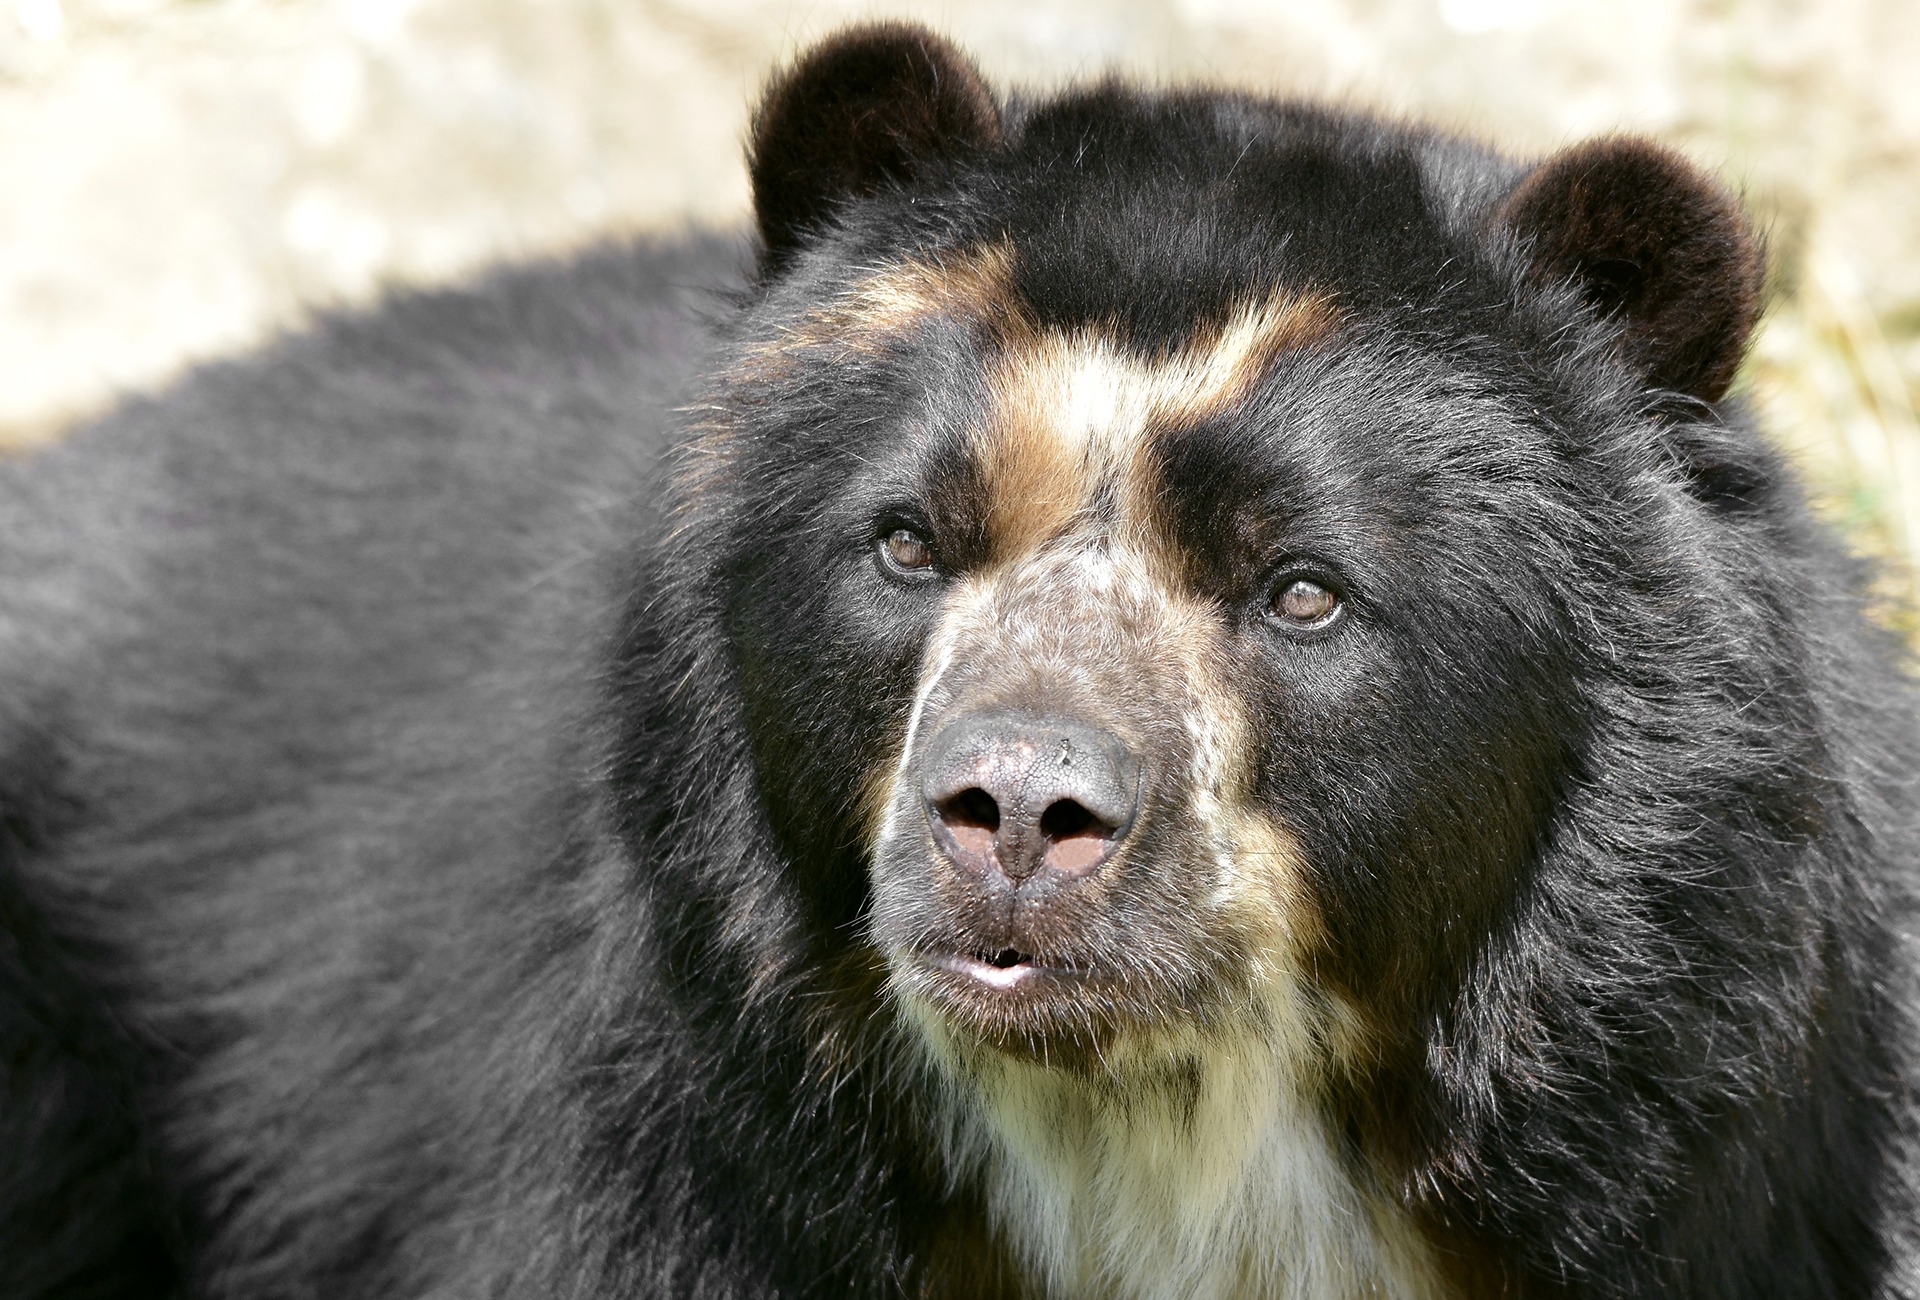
182 177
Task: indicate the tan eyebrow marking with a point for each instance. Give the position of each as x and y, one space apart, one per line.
975 285
1068 412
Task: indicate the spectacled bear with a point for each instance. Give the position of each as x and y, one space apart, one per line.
1174 694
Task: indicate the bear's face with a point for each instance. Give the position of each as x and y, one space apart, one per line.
1182 671
1165 546
1069 845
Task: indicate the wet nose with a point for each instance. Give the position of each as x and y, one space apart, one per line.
1018 795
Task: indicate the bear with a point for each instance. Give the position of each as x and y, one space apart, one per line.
1141 693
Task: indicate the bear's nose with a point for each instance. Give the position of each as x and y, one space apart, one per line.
1014 794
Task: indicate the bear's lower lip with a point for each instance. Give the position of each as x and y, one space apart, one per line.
1031 1008
1005 971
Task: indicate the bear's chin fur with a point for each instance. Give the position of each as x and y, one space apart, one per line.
1169 1164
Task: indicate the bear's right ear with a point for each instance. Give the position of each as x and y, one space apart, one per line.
1649 239
863 108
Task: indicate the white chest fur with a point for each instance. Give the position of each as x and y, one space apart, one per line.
1205 1179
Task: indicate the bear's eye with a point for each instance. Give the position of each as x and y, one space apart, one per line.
1302 602
906 552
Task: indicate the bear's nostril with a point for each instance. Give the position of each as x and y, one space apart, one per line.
972 818
972 807
1076 840
1064 817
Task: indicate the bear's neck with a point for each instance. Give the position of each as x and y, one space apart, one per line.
1208 1174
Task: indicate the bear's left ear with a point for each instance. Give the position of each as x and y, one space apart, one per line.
866 107
1647 236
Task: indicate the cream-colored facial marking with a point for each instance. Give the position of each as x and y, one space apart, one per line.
1071 412
973 286
1202 1170
1199 1164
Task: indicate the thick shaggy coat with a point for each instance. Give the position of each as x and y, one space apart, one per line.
1157 694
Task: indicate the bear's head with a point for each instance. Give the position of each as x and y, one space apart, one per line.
1187 556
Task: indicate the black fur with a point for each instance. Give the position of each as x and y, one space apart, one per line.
872 107
1646 236
431 849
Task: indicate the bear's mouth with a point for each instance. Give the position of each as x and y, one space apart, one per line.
1043 1007
1003 968
992 972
